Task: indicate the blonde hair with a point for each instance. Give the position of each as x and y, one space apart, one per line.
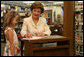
9 18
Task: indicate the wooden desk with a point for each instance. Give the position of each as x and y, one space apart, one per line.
62 48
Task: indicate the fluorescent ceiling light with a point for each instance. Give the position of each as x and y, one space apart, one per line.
28 1
57 2
80 1
49 1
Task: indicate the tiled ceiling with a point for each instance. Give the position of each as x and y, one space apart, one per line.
20 3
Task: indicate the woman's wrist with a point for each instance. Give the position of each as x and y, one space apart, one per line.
28 35
46 34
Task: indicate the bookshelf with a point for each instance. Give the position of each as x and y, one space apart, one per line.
19 25
78 29
2 31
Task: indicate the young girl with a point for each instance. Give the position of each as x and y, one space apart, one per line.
11 48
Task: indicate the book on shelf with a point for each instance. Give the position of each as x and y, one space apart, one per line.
20 26
79 36
81 48
16 26
1 20
80 23
1 14
21 20
22 14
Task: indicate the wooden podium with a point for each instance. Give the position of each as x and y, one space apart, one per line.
62 48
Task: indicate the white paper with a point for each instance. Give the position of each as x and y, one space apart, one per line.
33 38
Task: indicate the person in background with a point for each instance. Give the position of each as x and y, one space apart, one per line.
12 47
35 25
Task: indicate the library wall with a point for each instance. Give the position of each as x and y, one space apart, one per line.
78 29
62 19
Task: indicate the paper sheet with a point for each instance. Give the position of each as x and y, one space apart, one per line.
45 37
33 38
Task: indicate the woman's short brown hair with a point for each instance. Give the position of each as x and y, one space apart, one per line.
37 5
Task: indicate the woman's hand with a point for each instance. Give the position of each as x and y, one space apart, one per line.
28 35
